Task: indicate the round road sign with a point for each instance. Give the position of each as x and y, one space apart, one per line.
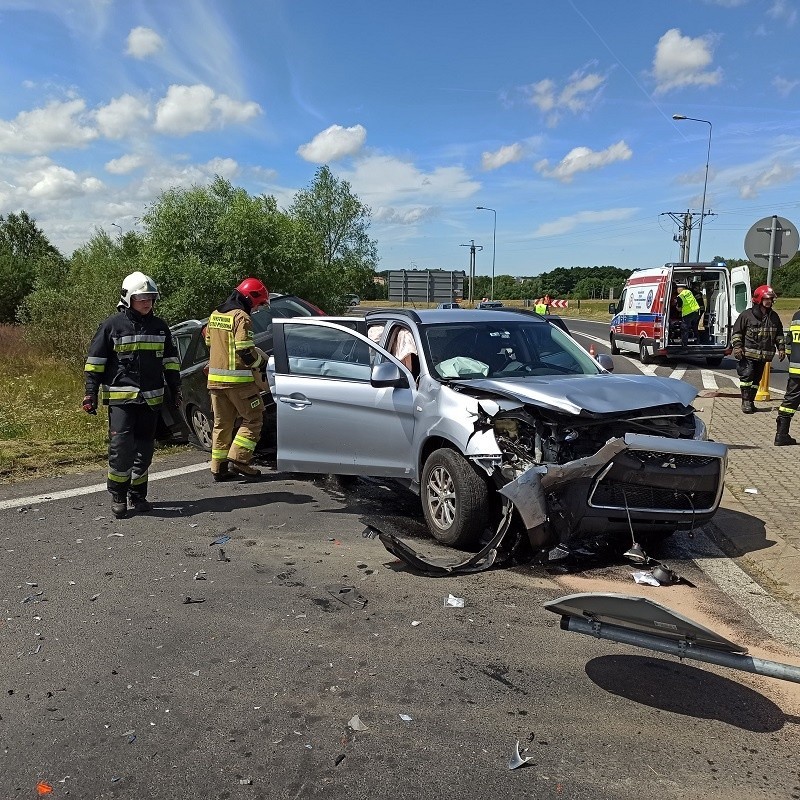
757 242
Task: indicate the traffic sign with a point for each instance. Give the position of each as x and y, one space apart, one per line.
771 242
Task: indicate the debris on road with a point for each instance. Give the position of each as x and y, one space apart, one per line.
200 576
452 601
341 757
348 595
220 540
751 490
221 555
356 724
517 759
43 788
645 577
406 718
194 600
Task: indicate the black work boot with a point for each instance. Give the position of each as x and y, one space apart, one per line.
782 437
119 505
748 407
223 473
140 504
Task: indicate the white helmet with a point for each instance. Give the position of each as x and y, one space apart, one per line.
137 284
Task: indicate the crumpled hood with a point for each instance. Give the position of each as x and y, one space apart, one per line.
596 394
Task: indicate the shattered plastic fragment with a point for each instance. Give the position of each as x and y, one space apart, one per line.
356 724
454 602
339 759
43 788
751 490
517 759
406 718
221 555
194 600
245 781
348 595
645 577
416 622
221 540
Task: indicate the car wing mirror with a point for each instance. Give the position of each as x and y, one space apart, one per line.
388 374
612 308
606 362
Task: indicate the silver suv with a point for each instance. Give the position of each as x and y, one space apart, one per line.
494 408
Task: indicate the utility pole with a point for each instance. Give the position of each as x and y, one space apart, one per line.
686 223
473 248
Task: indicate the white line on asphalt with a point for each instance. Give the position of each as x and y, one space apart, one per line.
678 373
775 618
709 379
94 488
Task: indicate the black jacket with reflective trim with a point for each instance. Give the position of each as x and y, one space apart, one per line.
130 358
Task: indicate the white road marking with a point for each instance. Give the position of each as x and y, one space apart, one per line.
709 379
648 369
678 373
18 502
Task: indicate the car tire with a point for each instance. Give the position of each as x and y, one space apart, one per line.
644 356
714 361
455 499
202 426
614 349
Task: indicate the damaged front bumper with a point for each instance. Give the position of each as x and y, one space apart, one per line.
650 483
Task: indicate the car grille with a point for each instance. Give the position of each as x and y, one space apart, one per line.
644 480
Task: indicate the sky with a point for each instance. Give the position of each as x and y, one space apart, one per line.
556 116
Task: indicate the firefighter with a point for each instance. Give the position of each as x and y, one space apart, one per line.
232 383
791 400
131 356
757 334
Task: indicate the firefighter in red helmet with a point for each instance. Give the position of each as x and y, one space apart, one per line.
757 335
232 366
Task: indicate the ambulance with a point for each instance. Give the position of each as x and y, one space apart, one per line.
647 322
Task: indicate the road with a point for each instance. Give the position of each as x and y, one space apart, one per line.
114 686
694 371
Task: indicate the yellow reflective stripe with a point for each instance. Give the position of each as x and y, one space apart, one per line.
172 366
130 348
229 379
155 401
117 477
243 441
112 394
219 455
94 367
245 344
139 481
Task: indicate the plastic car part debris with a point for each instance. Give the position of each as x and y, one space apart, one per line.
517 759
751 490
93 598
348 595
31 598
246 781
454 602
635 554
221 555
43 788
194 600
341 757
356 724
200 576
406 718
220 540
645 577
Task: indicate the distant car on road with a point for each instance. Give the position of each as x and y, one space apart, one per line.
448 305
352 299
489 304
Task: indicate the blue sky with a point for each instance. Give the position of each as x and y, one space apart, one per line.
557 115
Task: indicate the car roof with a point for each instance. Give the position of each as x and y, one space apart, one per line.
433 316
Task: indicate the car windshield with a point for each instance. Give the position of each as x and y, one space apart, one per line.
504 350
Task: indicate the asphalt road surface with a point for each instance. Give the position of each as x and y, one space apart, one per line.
113 685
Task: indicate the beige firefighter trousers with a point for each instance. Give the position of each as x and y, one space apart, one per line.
228 405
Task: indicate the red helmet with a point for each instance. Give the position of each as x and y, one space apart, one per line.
763 293
255 291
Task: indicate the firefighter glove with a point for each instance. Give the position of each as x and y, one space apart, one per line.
781 355
738 354
90 404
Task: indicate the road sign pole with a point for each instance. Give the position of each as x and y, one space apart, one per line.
773 254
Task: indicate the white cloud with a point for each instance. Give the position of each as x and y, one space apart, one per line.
188 109
333 143
505 155
784 85
122 116
579 92
783 12
44 182
403 216
143 42
565 224
682 61
384 180
125 164
774 174
582 159
57 126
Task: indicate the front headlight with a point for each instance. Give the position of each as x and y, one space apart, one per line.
700 430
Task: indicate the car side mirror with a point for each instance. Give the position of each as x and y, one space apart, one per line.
612 308
387 374
606 362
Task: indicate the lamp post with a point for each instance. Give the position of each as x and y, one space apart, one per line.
705 182
494 240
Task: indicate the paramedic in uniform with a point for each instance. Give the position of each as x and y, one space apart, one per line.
690 316
791 400
232 384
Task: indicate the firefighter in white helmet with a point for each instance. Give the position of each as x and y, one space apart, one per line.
130 358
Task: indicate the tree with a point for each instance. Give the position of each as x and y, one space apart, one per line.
339 223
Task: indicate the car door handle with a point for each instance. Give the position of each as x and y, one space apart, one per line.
296 402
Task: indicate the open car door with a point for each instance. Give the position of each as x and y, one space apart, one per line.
336 395
741 293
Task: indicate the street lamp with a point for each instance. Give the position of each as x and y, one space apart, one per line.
494 241
705 183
